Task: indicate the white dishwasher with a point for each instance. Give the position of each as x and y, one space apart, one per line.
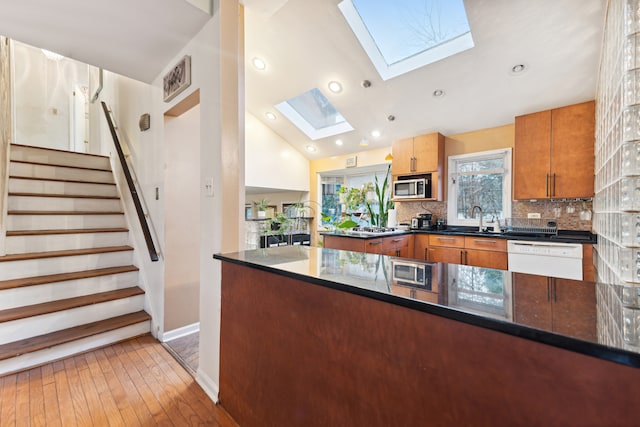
561 260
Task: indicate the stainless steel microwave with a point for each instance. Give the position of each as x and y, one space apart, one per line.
413 274
412 189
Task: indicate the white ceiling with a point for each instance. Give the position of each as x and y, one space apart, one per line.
133 38
306 44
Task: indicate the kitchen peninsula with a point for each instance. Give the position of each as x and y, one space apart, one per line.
313 336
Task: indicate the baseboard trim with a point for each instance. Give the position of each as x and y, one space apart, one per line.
208 385
180 332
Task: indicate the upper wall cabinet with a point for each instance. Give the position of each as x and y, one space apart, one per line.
421 154
554 153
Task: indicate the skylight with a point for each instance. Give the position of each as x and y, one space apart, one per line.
401 36
314 115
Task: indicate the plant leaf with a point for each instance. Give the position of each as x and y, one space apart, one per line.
347 224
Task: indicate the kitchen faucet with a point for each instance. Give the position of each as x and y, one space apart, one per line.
473 209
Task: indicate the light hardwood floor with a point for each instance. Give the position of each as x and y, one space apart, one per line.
133 383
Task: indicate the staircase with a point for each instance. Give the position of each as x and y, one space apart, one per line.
67 282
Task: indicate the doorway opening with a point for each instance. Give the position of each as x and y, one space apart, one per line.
182 231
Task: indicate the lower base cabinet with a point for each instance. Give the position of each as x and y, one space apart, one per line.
397 246
468 250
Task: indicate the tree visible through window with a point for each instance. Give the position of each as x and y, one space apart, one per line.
479 179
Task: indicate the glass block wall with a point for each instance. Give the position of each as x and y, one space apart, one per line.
617 200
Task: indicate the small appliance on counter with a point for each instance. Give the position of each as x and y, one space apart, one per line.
422 222
441 224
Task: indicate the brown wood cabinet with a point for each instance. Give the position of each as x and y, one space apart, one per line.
398 246
468 250
420 245
561 305
554 153
420 154
423 154
344 243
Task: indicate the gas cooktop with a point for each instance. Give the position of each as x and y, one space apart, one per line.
373 231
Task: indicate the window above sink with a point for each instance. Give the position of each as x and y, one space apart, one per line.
479 179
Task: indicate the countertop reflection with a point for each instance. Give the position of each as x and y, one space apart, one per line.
566 313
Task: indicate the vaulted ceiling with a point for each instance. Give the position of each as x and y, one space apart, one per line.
307 43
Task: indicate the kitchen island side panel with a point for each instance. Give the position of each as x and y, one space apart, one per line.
299 354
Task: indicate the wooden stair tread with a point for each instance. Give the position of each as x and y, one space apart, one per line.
59 150
65 231
66 304
64 196
52 339
72 252
70 181
64 213
57 165
54 278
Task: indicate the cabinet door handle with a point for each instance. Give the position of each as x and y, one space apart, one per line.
397 252
547 186
466 258
446 238
487 242
548 289
555 290
461 261
553 193
375 243
397 240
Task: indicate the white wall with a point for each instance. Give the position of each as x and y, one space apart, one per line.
216 56
43 97
271 162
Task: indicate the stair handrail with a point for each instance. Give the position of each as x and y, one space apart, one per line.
135 195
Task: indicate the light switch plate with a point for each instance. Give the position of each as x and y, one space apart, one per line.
208 187
534 215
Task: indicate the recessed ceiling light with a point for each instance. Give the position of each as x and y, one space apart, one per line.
269 115
375 133
259 63
518 68
364 142
339 142
438 93
311 148
335 86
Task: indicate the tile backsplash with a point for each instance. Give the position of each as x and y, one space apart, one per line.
566 213
407 210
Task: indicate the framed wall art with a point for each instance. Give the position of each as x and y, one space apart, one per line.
178 79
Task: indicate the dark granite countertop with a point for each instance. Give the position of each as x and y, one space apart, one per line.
563 236
512 303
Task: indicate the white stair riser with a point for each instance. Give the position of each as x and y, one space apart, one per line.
59 172
41 357
39 325
59 242
29 203
39 155
37 294
17 185
58 265
63 222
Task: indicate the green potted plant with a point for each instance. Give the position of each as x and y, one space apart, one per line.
278 223
383 198
261 205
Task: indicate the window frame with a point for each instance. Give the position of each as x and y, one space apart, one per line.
345 174
452 189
